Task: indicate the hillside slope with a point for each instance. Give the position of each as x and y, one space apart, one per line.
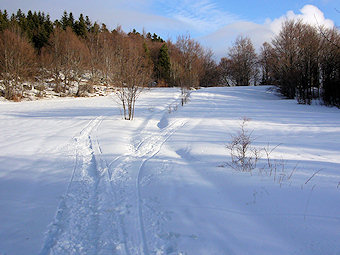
77 179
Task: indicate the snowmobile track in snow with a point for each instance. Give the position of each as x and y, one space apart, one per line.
84 223
95 216
153 145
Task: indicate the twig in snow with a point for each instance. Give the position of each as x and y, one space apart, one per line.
291 174
313 176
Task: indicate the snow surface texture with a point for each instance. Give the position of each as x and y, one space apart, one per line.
77 179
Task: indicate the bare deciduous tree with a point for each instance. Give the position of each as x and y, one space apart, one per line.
187 59
307 63
286 54
224 68
52 58
95 46
132 72
110 50
67 57
330 67
266 64
192 54
211 73
17 62
242 62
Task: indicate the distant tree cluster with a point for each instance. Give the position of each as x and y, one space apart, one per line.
303 61
240 67
75 54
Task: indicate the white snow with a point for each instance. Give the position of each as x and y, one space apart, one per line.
77 179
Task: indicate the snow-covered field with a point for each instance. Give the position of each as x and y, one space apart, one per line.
77 179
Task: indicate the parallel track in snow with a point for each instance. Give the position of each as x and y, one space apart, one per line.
87 220
74 229
112 191
154 145
103 202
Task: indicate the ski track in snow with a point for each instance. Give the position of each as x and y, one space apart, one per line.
93 214
124 166
156 144
82 224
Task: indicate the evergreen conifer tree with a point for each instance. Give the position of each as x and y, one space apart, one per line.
4 23
163 65
88 23
20 16
80 27
64 20
70 21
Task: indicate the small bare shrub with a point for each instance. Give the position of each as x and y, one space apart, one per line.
41 88
172 108
276 169
84 90
243 155
17 97
185 95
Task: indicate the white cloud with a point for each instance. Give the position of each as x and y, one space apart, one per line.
220 40
198 17
310 14
166 18
223 38
130 19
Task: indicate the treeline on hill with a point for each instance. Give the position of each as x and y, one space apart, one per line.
303 61
75 56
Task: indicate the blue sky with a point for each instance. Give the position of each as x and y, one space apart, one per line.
215 23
